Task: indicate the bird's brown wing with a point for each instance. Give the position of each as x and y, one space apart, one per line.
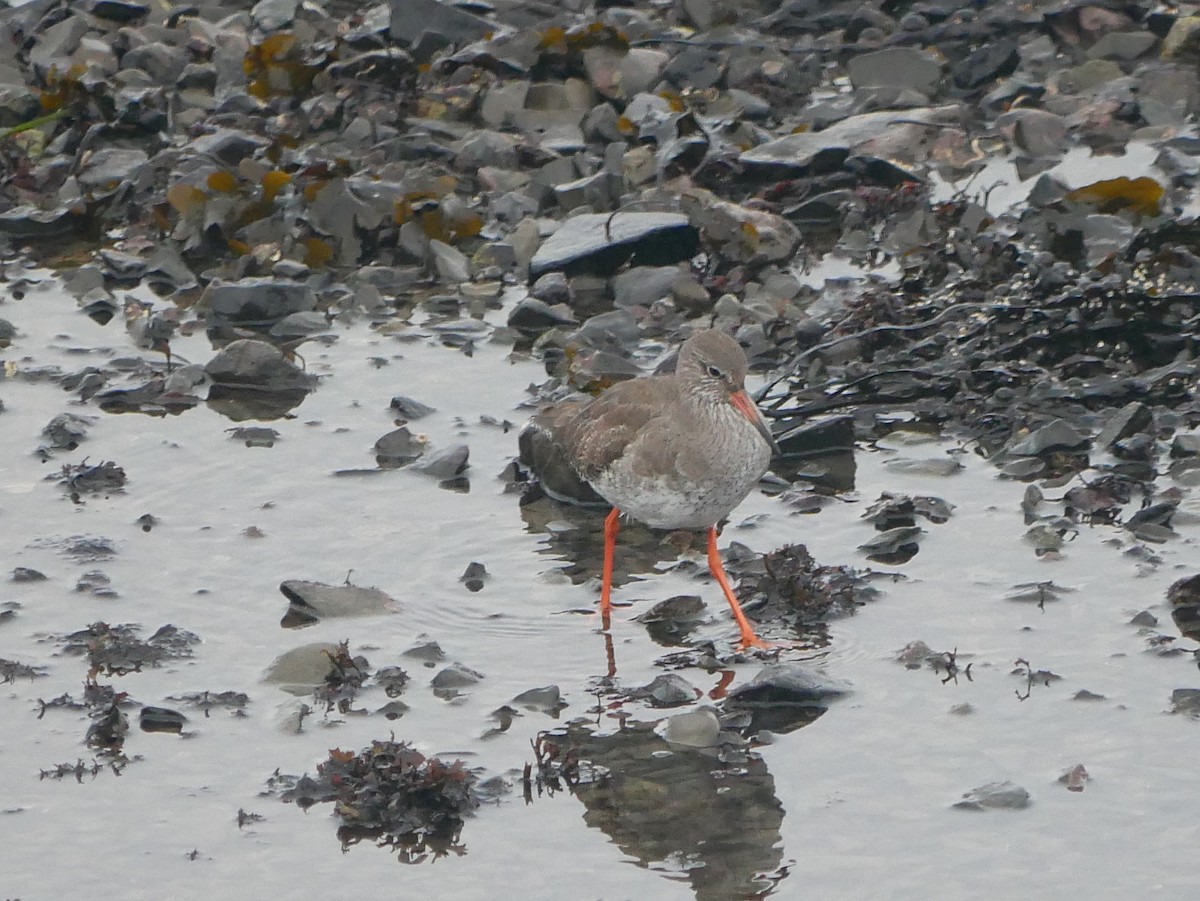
596 433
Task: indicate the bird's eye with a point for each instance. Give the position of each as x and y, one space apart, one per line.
715 372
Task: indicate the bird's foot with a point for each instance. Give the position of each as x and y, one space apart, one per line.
753 641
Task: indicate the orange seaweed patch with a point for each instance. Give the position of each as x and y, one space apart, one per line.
313 188
62 88
185 198
317 252
222 181
1143 195
467 226
274 182
276 67
674 100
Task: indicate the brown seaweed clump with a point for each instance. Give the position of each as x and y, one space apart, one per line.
394 795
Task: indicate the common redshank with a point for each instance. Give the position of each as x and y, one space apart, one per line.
675 451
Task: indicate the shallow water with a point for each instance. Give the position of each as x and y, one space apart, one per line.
857 804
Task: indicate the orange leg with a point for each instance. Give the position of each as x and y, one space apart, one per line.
612 525
749 639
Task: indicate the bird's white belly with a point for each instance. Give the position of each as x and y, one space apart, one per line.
676 502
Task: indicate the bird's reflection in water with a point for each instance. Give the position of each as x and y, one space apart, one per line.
683 812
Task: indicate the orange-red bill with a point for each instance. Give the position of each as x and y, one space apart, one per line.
745 406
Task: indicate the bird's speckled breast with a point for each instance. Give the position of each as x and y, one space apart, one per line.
713 471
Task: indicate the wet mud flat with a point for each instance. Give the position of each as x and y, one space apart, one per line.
282 286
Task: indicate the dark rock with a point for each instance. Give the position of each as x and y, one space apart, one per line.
161 719
553 288
255 436
474 576
415 20
547 699
995 796
409 408
100 478
96 583
272 15
829 148
296 326
532 317
830 434
1134 417
1057 435
1186 701
1185 445
454 677
259 301
1122 45
66 430
257 365
894 545
600 243
668 690
108 167
643 285
992 61
398 447
1183 40
117 10
788 684
27 221
446 463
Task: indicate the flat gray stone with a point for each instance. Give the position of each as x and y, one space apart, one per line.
903 67
788 684
413 18
582 243
310 602
260 301
995 796
1132 418
108 167
447 463
1056 435
1124 45
798 151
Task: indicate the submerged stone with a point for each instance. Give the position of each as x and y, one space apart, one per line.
311 602
256 365
449 681
789 684
302 669
446 463
694 729
995 796
546 700
668 690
